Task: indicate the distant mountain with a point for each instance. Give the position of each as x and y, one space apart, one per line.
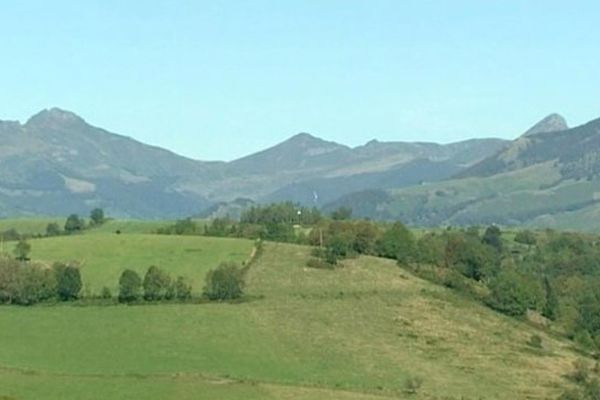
56 163
548 177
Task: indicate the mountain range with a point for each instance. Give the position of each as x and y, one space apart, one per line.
56 163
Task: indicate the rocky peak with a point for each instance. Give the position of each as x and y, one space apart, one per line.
55 118
552 123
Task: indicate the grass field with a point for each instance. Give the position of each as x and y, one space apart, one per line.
29 226
353 333
103 256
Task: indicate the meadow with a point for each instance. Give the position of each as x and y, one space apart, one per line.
356 332
103 256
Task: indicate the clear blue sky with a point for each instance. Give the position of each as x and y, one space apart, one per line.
221 79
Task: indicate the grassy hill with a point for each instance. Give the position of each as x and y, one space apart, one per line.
103 256
356 332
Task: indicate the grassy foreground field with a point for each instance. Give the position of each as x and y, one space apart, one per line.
353 333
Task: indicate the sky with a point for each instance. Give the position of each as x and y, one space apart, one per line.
216 80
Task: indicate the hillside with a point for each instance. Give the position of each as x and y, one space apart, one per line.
352 333
543 178
56 163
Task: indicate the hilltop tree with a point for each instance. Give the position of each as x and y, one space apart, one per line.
97 216
22 250
74 224
130 286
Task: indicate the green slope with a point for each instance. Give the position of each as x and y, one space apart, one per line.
353 333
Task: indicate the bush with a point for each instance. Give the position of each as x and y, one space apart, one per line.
535 341
22 250
226 282
130 286
319 264
105 293
413 384
156 284
581 371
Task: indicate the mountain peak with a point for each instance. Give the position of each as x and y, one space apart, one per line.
55 117
552 123
303 137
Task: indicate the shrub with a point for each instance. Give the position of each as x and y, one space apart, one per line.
535 341
581 371
413 384
22 250
226 282
130 286
319 264
105 293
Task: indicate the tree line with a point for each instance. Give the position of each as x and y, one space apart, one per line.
73 224
29 283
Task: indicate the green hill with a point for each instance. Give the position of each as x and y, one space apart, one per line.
357 332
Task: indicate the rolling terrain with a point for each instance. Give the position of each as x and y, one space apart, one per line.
545 178
357 332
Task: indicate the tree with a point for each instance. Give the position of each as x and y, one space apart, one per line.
9 272
74 224
68 281
130 286
226 282
156 284
22 250
551 304
509 293
52 229
341 214
34 284
97 216
525 237
493 237
182 289
397 242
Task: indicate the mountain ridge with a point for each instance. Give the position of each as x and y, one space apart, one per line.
56 163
